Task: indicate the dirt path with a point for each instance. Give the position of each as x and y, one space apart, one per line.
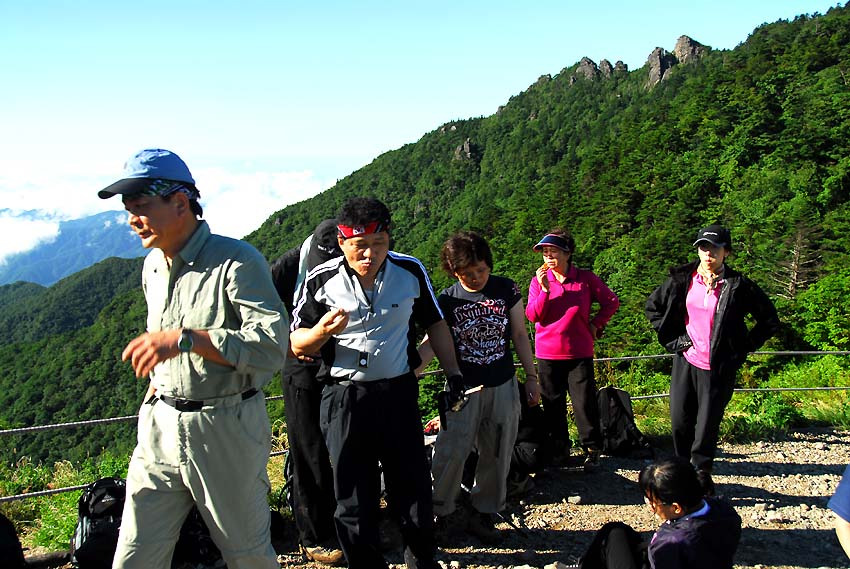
780 488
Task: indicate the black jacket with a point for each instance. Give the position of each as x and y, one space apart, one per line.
704 542
731 341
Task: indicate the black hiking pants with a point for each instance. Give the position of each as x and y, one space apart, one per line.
312 486
557 378
698 399
616 546
370 426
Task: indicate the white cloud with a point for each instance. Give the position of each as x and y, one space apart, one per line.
66 187
21 233
236 204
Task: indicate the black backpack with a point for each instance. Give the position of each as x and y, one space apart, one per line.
620 435
99 512
288 490
195 546
11 552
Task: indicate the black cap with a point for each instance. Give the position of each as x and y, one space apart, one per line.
324 245
716 235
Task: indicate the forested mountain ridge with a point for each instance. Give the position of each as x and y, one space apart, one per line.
30 312
757 137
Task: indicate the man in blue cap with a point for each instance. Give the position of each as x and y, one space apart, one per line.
216 333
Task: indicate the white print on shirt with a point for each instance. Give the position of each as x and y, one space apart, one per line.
479 331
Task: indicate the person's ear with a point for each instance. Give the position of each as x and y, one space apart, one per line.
678 510
340 240
181 203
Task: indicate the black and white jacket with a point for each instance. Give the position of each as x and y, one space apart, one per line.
382 322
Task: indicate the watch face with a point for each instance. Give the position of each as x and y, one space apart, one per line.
184 344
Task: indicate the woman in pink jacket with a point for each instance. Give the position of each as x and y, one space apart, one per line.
560 301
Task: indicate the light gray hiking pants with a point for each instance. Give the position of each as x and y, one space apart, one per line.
215 458
488 423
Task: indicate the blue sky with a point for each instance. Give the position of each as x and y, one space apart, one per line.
270 102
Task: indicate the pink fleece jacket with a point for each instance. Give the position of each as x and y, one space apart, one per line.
562 316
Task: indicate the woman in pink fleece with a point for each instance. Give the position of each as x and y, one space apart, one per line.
560 300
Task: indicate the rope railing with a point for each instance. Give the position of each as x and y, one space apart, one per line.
126 418
41 493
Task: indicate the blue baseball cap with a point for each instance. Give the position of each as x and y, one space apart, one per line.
553 241
152 171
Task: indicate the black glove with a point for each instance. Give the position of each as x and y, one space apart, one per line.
454 389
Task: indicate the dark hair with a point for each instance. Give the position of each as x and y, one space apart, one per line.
671 481
464 249
361 211
194 205
566 236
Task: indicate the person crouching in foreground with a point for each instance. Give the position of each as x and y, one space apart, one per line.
697 532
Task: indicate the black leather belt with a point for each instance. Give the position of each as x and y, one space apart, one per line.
377 384
193 404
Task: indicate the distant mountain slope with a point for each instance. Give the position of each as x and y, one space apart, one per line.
29 312
80 244
13 294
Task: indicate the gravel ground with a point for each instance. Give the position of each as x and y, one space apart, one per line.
779 487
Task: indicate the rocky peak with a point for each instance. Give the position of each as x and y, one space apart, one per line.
660 60
587 67
687 49
464 151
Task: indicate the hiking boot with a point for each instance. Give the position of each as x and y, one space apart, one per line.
413 562
326 555
705 481
449 529
481 526
519 487
591 458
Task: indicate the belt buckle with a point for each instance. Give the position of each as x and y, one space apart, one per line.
186 405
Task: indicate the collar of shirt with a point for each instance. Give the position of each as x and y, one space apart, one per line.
571 275
192 248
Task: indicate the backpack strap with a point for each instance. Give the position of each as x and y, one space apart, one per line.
605 411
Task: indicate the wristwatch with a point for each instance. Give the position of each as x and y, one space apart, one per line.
185 343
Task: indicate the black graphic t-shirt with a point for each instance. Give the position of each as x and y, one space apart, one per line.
480 325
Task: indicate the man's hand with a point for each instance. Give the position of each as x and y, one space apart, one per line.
147 350
542 278
454 388
333 322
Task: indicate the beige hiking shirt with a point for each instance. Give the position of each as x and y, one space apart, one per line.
223 286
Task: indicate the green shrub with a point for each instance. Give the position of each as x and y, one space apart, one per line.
758 415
